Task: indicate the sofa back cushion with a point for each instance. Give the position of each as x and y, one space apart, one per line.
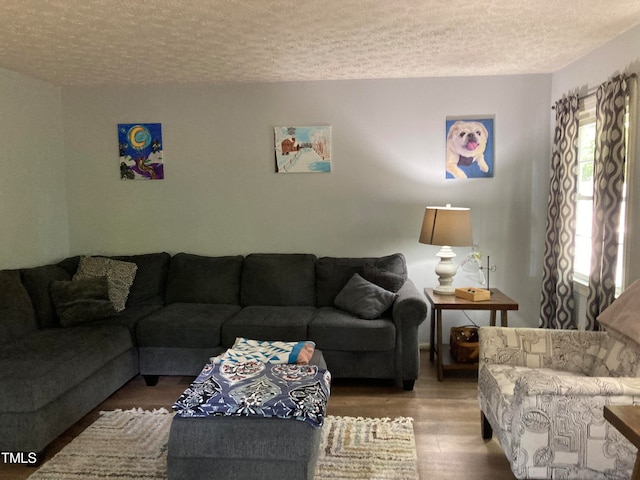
200 279
38 281
333 273
151 276
17 317
278 280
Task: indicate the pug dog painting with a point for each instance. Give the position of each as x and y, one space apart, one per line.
469 148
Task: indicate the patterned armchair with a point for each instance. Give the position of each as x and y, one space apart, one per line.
542 392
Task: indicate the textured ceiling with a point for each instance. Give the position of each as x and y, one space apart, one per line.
99 42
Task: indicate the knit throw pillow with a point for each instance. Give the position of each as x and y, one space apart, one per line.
120 276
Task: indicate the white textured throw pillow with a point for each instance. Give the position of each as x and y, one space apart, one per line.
120 276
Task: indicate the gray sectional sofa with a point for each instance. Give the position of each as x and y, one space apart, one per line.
180 311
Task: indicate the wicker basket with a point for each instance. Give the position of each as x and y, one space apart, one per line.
464 344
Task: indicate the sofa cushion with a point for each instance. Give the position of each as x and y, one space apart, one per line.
81 301
150 281
194 325
70 264
41 366
38 282
17 317
119 274
383 278
333 273
287 324
363 298
129 318
278 280
333 329
199 279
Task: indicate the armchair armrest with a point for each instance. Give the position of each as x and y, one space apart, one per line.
568 350
543 383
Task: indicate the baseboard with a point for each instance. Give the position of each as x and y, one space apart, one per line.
425 346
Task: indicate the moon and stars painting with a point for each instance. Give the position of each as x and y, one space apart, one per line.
140 151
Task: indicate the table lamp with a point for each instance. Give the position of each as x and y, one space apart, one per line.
447 227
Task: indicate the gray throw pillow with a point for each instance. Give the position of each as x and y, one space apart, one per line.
364 299
83 300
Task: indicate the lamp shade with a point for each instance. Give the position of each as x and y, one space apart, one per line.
448 225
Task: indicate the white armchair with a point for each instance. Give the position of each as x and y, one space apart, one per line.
542 392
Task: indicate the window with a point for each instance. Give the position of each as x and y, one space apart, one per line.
584 210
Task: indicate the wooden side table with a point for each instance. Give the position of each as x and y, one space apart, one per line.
626 418
498 302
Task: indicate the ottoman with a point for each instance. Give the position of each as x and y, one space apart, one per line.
243 447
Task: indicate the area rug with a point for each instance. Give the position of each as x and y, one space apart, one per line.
132 445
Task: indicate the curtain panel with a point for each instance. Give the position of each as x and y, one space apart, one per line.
608 189
557 304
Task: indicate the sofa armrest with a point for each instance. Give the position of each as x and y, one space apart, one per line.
543 383
410 306
568 350
409 311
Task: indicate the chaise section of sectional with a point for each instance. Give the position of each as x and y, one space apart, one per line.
52 376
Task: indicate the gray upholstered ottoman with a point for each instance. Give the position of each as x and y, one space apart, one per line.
230 447
241 448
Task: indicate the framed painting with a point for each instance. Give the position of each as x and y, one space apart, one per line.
140 147
470 151
303 149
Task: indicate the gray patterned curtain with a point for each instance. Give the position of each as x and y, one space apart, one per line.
608 182
557 306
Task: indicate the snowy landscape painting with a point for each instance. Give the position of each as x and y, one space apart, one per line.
303 149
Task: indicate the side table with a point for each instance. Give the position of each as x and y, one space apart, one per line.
498 302
626 418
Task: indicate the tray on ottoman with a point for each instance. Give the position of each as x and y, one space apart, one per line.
231 424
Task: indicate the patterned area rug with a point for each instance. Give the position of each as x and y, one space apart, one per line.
132 445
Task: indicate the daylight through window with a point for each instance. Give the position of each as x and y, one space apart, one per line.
584 199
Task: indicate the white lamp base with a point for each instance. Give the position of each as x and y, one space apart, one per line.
445 270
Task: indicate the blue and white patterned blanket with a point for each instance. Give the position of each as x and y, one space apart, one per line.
258 389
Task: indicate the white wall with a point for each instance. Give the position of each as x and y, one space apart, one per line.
33 209
620 55
221 195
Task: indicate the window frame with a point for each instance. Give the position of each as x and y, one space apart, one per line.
587 119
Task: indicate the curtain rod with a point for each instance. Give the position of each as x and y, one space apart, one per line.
592 91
